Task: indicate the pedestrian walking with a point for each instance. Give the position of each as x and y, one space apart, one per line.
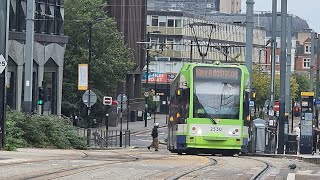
154 134
296 131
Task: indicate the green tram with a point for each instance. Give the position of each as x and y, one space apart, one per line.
209 109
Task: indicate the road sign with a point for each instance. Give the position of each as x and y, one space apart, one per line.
122 99
317 101
107 100
146 94
276 106
3 63
93 98
251 104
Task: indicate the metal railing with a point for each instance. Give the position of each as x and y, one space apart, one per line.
103 138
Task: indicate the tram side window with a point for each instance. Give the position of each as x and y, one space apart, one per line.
180 103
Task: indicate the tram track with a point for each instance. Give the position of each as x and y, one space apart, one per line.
212 162
261 173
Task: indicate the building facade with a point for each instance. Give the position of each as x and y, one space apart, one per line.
303 58
49 48
200 7
130 16
176 42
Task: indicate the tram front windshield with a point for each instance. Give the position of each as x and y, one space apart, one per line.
214 98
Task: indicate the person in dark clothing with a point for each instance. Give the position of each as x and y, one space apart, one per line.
155 141
315 139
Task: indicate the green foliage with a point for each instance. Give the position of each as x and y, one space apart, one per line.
111 58
261 83
303 83
152 105
40 131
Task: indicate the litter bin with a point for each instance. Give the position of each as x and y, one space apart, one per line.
291 144
140 115
259 135
133 116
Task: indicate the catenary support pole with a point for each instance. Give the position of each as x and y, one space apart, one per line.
317 79
311 61
28 65
249 47
4 24
273 58
288 72
282 76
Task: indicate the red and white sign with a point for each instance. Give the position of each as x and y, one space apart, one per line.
107 100
276 106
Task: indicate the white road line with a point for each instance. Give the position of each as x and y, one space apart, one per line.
291 176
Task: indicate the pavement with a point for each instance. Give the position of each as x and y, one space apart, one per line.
140 125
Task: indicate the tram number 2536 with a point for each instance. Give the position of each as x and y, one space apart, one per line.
216 129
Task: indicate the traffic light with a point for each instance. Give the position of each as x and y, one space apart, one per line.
41 96
253 94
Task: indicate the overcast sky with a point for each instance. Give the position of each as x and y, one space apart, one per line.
308 10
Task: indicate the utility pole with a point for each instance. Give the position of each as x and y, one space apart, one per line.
317 78
28 65
282 76
288 72
249 38
191 51
90 24
249 49
311 61
273 58
4 31
147 83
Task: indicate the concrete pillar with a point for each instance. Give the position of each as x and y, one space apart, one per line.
137 85
129 86
59 89
19 87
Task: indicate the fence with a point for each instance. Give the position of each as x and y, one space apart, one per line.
103 138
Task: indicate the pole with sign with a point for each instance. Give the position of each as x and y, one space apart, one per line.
107 101
122 98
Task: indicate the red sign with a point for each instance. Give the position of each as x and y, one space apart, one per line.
276 106
107 101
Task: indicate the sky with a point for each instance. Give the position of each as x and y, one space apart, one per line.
308 10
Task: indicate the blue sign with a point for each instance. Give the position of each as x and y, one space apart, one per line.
317 101
251 103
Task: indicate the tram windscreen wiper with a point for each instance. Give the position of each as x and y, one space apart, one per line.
209 117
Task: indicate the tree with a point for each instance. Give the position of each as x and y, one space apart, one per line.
303 82
111 58
261 83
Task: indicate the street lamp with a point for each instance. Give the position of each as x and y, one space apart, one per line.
147 78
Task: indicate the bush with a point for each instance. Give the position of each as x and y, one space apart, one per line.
24 130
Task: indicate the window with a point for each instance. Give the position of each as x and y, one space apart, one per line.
307 49
155 20
178 23
277 59
162 21
170 22
306 63
170 43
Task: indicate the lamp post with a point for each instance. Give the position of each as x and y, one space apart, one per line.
147 78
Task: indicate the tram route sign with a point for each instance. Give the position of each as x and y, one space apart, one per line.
3 63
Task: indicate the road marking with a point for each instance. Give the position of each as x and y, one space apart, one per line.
291 176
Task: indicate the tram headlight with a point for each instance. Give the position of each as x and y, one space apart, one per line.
199 131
